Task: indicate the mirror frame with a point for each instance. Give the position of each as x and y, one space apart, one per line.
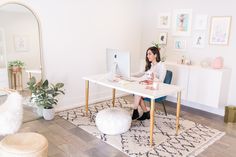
27 6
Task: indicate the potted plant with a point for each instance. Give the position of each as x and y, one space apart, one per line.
156 45
45 95
160 47
16 65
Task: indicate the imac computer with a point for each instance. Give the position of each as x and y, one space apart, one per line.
118 63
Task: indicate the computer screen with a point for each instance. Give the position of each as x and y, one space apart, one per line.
118 62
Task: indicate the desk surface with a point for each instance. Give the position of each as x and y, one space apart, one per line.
134 87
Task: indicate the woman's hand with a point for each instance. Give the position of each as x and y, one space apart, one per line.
146 82
149 75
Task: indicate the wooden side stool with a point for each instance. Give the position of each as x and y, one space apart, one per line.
230 114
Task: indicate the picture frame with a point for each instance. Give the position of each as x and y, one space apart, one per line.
162 39
163 21
21 43
220 30
180 44
182 21
199 39
200 22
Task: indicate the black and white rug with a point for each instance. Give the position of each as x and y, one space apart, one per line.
193 138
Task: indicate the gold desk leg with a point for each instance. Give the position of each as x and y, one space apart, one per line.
86 96
178 112
152 120
113 96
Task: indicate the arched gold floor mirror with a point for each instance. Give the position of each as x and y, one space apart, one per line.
20 48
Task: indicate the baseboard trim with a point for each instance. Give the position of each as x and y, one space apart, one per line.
91 101
218 111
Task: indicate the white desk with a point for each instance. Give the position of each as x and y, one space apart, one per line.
138 89
32 71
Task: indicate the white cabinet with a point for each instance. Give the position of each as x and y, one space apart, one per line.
3 64
3 78
204 86
180 77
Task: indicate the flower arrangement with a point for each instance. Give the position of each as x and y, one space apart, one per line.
156 45
16 63
161 49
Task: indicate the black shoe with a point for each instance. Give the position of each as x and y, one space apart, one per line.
135 114
146 115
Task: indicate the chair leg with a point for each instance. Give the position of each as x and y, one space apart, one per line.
163 104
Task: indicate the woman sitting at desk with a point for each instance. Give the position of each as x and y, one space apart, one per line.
155 70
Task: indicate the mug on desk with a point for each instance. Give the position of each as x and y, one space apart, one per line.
155 84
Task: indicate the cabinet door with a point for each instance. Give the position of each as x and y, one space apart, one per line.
204 86
180 78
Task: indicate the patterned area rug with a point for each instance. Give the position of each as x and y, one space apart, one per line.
193 138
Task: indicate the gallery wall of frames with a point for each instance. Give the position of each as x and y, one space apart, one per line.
182 25
197 33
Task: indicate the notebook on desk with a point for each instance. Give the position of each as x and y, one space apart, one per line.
121 79
130 79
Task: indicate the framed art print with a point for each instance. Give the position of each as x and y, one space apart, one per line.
163 21
180 44
162 39
200 22
182 20
199 39
220 30
21 43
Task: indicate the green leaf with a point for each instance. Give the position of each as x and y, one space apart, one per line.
16 63
59 85
45 84
45 94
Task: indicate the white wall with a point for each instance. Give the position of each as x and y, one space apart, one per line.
21 24
75 35
208 7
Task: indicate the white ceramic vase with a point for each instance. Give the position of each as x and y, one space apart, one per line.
48 114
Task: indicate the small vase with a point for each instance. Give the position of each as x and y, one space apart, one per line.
48 114
16 69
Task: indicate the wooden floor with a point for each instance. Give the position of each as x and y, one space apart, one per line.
67 140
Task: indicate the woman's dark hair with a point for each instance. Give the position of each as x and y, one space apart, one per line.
155 51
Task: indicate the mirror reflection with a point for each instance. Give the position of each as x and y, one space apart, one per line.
19 46
20 56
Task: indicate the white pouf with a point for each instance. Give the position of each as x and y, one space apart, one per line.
113 121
